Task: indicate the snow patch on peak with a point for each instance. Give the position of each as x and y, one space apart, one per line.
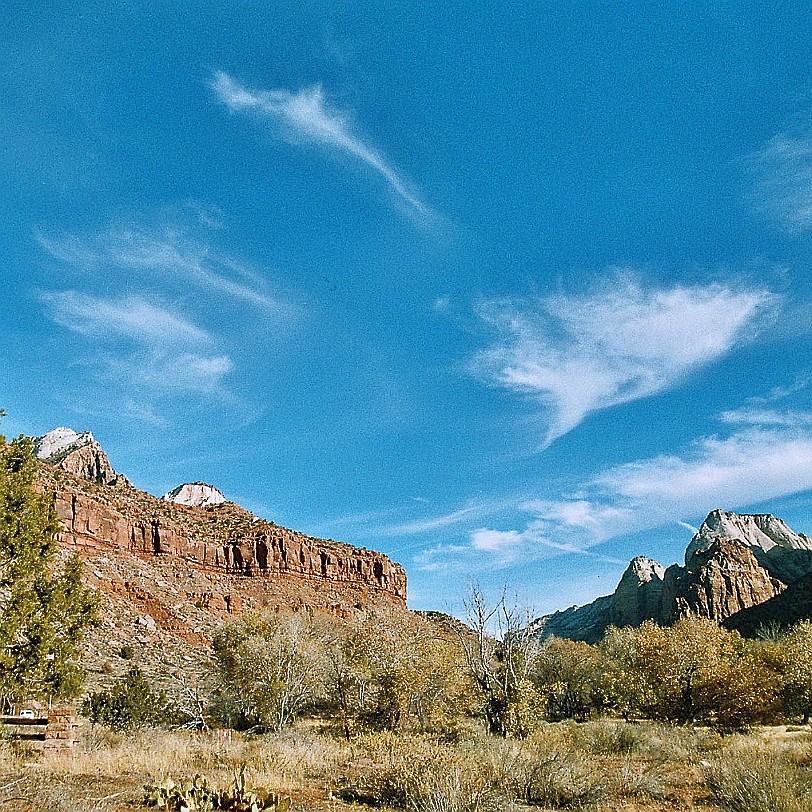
59 441
195 494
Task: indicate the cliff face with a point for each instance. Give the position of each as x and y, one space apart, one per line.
259 562
718 582
223 539
734 565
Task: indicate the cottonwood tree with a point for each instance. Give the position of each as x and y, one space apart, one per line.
795 655
569 675
393 670
45 611
500 652
692 671
270 669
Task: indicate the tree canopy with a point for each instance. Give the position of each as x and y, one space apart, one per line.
45 609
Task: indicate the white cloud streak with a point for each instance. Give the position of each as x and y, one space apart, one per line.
306 117
577 354
421 526
164 352
755 463
167 253
783 170
766 458
128 317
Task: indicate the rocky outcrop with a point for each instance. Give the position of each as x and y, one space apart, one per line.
196 494
788 607
78 454
719 581
734 564
637 598
787 555
247 556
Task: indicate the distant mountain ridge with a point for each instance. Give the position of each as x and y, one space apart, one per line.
195 494
734 564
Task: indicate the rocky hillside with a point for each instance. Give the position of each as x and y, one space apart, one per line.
172 569
739 570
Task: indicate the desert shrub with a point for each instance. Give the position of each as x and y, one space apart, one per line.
561 780
409 772
131 703
270 670
758 780
608 737
654 741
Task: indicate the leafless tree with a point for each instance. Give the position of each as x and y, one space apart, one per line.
500 652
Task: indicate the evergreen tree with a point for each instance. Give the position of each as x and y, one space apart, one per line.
44 612
131 703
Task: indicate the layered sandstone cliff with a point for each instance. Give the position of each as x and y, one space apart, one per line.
718 581
255 559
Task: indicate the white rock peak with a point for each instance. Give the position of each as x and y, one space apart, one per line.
760 531
195 494
60 440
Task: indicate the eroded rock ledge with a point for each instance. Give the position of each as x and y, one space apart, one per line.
102 512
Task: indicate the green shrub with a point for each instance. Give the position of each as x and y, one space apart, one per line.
129 704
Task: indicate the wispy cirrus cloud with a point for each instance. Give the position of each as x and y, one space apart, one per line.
420 526
767 456
166 253
128 317
306 116
577 354
142 344
500 549
783 172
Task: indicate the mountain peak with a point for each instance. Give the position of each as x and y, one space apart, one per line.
773 542
77 453
195 494
644 569
59 440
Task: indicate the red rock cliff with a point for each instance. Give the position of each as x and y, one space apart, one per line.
220 539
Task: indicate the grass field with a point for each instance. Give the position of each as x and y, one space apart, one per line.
599 765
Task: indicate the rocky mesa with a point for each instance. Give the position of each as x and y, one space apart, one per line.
194 526
734 565
172 568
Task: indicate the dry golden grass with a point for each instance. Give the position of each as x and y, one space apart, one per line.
602 765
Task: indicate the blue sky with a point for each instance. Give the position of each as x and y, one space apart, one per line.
510 293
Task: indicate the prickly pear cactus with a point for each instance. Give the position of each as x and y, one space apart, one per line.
197 796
